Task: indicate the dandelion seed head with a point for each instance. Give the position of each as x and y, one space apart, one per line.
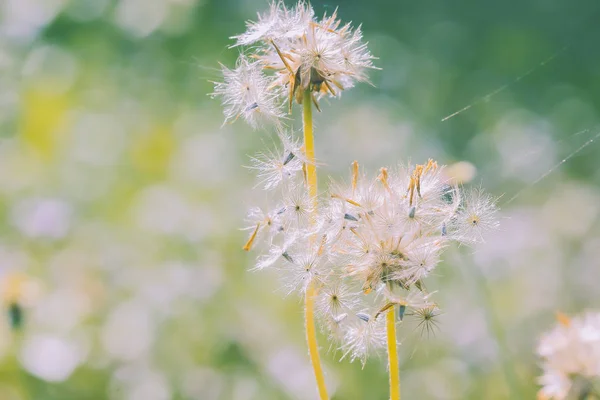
363 338
307 267
368 245
294 51
269 222
335 299
393 238
274 167
335 326
298 207
245 92
477 216
423 260
386 235
277 254
426 319
337 222
278 22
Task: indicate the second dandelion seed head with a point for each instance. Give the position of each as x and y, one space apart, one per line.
374 242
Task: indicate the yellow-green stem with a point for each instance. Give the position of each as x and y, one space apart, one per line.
393 354
311 179
309 148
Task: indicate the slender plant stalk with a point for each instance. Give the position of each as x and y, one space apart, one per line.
311 338
309 148
393 354
311 178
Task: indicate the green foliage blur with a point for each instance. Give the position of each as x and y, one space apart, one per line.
122 195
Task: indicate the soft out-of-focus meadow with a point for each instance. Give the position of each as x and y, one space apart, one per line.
122 196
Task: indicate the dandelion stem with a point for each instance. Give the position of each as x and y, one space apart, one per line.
311 337
311 178
393 354
309 147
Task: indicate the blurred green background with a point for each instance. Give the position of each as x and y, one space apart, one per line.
122 196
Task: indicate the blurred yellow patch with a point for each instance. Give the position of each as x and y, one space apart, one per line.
17 287
151 152
12 287
43 120
563 319
460 172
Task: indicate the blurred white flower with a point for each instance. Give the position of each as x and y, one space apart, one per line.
571 357
153 386
98 139
288 367
201 160
203 383
43 218
129 331
53 67
161 209
62 310
141 17
50 358
25 18
140 381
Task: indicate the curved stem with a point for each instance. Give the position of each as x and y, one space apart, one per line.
393 354
311 180
311 338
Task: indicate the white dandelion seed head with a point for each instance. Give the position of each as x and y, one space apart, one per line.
300 51
357 58
426 318
385 235
369 195
335 326
298 207
246 92
476 217
421 260
397 238
369 245
418 299
335 298
277 254
274 167
291 144
268 223
304 268
278 23
282 166
337 221
363 338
